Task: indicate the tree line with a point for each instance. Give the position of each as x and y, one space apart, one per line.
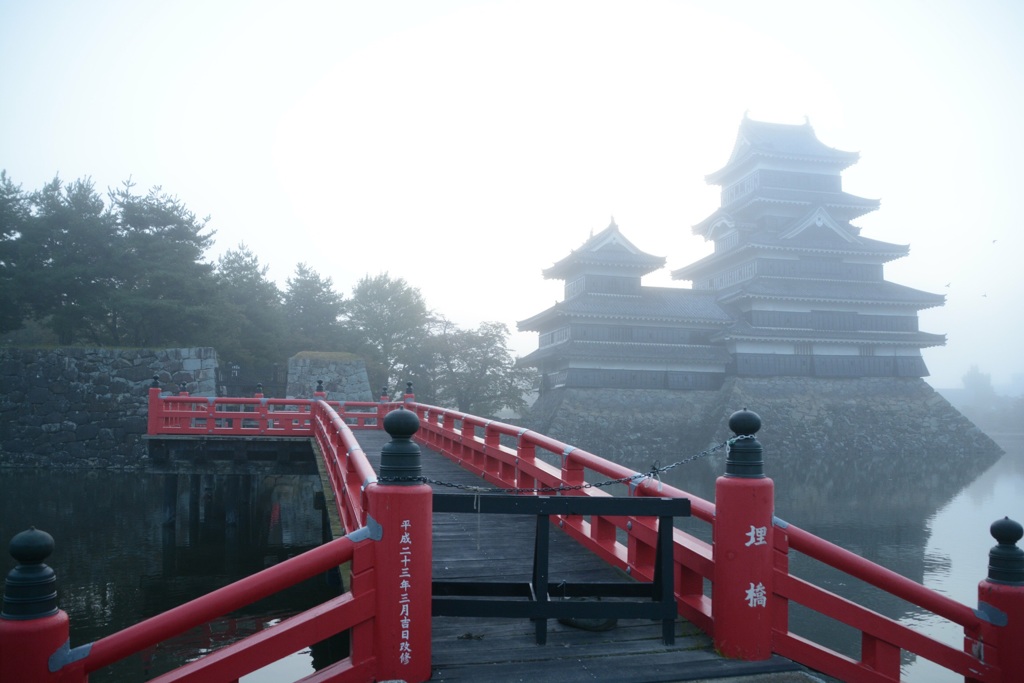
130 269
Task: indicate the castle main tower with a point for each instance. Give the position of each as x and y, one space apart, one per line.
807 292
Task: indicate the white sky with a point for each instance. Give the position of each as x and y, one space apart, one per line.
466 145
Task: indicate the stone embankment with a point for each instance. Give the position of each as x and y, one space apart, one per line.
86 408
343 374
74 407
845 441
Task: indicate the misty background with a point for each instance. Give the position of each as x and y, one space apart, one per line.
467 145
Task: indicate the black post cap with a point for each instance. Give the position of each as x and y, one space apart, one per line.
30 591
400 459
746 456
1006 560
320 386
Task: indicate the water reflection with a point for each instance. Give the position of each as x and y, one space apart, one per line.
129 546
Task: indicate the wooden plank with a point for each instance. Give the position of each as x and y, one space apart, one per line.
499 547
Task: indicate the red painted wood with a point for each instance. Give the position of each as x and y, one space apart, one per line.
26 646
148 633
743 599
402 626
508 456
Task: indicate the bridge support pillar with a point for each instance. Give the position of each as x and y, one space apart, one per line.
742 599
403 507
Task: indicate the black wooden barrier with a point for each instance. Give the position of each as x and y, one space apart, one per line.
469 598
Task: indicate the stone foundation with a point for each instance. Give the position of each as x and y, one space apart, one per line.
843 442
343 374
73 407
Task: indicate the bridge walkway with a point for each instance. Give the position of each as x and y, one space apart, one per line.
500 548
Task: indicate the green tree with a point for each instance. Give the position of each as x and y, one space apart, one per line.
313 311
164 284
476 373
14 216
389 321
250 330
64 272
130 273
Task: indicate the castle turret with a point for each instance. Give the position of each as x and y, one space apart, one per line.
610 331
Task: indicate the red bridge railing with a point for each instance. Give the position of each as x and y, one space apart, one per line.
511 457
388 605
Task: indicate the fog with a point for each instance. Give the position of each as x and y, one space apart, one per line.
467 145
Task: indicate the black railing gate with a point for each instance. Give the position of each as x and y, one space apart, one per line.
652 600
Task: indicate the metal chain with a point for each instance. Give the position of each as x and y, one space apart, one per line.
653 473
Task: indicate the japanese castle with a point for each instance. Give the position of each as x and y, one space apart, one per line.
791 289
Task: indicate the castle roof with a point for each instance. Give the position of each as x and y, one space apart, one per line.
849 204
813 241
832 292
762 140
744 331
652 304
608 249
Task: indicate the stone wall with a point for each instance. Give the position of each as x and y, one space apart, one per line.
844 441
74 407
343 374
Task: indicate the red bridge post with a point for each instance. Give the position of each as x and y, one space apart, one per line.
382 406
154 407
33 631
742 602
1001 602
403 507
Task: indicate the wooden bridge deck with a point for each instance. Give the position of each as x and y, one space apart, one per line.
500 548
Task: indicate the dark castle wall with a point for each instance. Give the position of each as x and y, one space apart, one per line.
74 407
830 444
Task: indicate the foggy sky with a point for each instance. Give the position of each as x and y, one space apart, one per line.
467 145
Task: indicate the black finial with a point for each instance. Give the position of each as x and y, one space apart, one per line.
182 387
400 457
1006 560
156 382
320 386
746 456
259 387
384 394
30 591
408 387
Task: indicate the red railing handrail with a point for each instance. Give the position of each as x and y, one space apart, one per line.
886 631
184 415
454 433
348 467
880 577
517 466
173 622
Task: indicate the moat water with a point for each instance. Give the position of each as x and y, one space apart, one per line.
129 546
